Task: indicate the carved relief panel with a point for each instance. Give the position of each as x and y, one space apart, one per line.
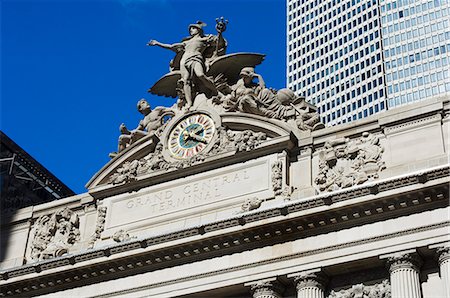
54 234
348 162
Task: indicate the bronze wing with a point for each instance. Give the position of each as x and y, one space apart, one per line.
166 85
230 65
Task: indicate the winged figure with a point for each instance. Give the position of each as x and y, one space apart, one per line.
227 67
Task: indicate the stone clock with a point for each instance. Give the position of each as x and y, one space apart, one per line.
191 135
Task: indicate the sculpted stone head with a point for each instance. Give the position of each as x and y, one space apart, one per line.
143 106
247 72
196 28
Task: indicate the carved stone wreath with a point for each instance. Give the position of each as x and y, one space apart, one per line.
345 163
226 140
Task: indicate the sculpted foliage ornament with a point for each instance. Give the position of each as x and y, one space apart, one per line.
54 234
99 227
380 290
251 204
225 141
122 236
344 162
277 177
267 289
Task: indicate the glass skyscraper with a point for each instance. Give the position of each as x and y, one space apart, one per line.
343 55
416 44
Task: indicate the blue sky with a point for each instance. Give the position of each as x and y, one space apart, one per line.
72 71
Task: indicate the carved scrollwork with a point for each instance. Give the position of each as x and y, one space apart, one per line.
344 162
226 140
308 280
443 254
251 204
277 177
380 290
54 234
99 227
267 289
404 261
122 236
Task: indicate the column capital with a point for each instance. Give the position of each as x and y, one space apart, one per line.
270 288
443 254
404 260
312 278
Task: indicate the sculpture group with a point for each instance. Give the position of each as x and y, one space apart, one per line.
228 82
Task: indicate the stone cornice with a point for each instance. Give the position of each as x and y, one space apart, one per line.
313 223
413 124
131 265
276 260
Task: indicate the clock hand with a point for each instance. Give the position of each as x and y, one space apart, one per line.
197 129
197 137
186 135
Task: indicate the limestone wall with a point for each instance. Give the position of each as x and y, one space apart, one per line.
326 169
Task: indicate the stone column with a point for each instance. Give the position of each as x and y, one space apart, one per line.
266 288
444 267
404 270
310 284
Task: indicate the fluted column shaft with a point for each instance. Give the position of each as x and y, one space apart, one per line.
310 285
444 267
404 270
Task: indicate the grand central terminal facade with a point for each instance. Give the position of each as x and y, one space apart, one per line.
238 190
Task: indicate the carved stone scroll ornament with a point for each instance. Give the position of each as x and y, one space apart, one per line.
99 227
251 204
277 177
379 290
310 281
226 140
345 163
54 234
122 236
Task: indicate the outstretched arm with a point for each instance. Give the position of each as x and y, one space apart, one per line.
176 47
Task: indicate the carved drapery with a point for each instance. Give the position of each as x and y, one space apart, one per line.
404 271
345 163
54 234
444 268
379 290
310 285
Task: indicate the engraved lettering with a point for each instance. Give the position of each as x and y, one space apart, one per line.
200 192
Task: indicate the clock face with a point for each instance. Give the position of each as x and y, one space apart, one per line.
191 136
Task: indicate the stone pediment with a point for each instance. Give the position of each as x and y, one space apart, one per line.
150 160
